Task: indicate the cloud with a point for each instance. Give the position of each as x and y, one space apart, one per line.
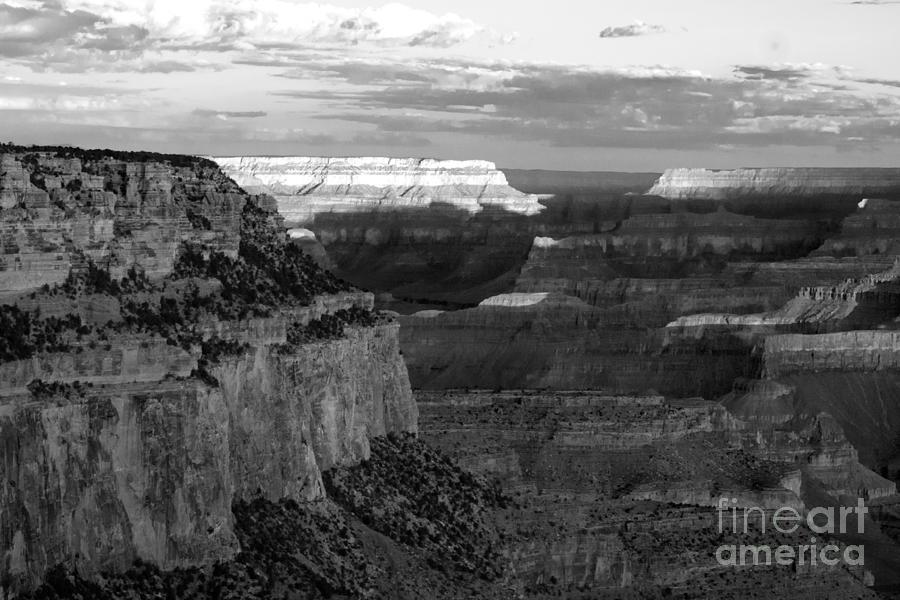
26 30
117 35
229 114
283 23
894 83
572 106
635 29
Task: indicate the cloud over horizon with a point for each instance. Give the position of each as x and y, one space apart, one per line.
635 29
639 107
351 76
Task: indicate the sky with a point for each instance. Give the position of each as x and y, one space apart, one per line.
629 85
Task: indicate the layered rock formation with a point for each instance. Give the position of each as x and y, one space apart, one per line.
62 206
307 186
224 367
870 230
869 301
552 340
706 184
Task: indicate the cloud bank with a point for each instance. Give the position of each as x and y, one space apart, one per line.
81 35
639 107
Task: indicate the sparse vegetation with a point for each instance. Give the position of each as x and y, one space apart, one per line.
93 155
23 334
413 494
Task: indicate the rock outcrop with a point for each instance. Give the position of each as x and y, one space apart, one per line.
307 186
844 351
707 184
60 207
869 301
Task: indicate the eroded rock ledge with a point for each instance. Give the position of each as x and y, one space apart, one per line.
307 186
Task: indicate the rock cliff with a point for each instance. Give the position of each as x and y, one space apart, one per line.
706 184
63 206
137 411
307 186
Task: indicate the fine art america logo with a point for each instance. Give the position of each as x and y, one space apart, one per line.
787 520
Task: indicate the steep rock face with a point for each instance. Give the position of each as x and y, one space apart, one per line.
150 469
118 473
306 186
776 182
298 414
56 210
136 411
844 351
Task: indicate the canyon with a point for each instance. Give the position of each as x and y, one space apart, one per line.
390 378
724 285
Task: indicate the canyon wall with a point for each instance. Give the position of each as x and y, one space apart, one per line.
539 340
148 467
845 351
617 494
60 209
131 433
307 186
707 184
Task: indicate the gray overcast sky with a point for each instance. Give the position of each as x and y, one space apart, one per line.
611 85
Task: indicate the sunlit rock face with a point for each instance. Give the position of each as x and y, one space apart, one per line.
307 186
776 182
57 211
